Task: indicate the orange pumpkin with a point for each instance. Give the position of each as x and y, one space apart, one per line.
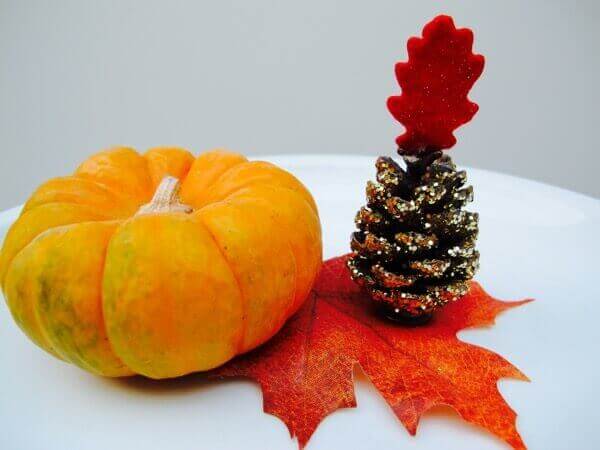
112 270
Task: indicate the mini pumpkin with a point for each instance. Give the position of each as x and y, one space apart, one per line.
160 264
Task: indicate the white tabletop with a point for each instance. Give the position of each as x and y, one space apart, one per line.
536 241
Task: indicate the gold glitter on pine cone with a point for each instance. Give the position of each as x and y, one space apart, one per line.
414 248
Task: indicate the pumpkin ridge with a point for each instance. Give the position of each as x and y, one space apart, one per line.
103 322
295 306
216 180
287 314
77 355
244 325
117 194
163 156
312 205
271 182
146 170
71 359
6 263
241 193
148 174
247 191
48 346
119 197
227 155
87 207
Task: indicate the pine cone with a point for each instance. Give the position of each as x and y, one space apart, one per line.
414 249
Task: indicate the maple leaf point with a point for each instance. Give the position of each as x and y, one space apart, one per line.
435 81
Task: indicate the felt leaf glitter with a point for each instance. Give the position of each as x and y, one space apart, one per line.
435 81
305 371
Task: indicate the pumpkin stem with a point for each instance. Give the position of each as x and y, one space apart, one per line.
165 199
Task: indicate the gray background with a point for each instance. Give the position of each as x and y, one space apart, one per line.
264 77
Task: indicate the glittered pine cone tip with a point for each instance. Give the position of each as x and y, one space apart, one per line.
414 247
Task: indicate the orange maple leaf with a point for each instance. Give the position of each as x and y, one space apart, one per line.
305 371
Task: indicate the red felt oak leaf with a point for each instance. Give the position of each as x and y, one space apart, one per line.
435 81
305 371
